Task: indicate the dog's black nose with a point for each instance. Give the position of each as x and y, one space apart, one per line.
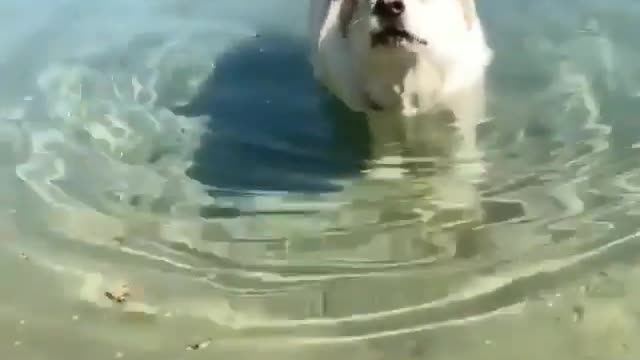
388 9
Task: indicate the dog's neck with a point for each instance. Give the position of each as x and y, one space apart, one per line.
404 84
412 83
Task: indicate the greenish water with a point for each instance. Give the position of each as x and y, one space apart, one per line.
182 149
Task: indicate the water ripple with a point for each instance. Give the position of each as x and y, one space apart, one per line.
198 162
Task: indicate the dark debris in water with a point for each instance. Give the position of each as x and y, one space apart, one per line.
119 239
199 346
578 313
116 298
604 285
120 296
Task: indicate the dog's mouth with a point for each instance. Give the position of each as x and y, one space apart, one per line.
393 36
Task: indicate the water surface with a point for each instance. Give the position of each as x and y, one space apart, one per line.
181 148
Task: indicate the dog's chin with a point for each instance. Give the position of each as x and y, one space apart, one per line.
395 38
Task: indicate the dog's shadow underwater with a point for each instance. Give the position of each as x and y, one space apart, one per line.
272 127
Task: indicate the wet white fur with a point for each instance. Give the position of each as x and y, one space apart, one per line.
409 82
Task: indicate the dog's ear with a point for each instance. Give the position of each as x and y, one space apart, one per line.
347 11
469 11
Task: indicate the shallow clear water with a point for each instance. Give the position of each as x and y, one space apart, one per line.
182 149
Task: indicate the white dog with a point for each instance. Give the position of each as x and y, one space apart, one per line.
401 62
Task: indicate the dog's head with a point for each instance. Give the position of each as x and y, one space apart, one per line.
407 24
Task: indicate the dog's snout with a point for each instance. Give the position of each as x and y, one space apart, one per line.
389 9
